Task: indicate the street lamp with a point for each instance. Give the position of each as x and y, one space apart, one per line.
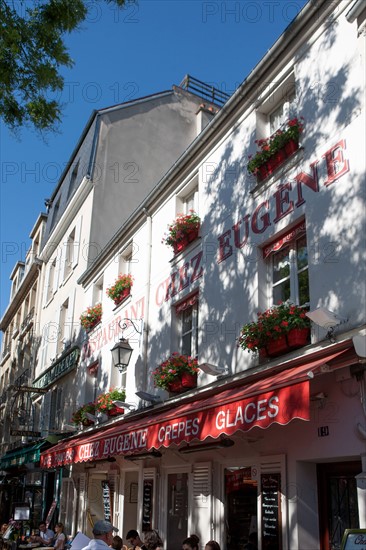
121 354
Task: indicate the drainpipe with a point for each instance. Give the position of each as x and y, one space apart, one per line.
355 11
146 324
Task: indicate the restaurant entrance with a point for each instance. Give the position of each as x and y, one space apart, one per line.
241 506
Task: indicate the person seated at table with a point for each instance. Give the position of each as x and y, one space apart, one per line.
60 538
45 537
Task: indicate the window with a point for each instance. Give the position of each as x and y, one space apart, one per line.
283 112
278 104
187 199
288 257
187 312
98 291
190 202
125 261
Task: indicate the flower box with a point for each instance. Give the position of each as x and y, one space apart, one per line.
298 337
277 347
115 411
105 402
274 150
279 329
120 289
291 147
79 416
91 317
186 382
182 231
125 293
177 374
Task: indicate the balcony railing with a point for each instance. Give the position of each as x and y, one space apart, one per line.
207 92
28 321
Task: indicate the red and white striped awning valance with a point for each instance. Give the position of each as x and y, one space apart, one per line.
188 302
291 235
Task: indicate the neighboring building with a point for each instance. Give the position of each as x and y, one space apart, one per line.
21 441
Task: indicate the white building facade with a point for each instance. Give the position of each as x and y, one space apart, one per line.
272 445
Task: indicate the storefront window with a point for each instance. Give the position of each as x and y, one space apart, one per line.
241 507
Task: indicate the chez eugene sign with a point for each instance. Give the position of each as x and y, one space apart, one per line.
236 236
276 406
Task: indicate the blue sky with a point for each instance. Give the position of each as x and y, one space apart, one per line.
119 56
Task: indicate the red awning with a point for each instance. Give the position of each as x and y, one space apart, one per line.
188 302
279 398
276 245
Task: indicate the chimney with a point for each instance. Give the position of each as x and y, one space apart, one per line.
204 115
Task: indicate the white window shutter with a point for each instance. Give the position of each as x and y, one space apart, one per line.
77 242
56 274
62 258
69 328
67 502
200 521
45 413
47 283
82 518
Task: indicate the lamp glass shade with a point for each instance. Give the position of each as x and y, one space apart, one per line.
121 354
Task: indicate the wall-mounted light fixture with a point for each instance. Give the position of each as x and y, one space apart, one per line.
359 342
319 399
90 417
141 456
148 397
122 351
222 443
326 319
214 370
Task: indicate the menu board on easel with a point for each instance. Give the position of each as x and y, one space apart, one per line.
106 492
271 510
147 508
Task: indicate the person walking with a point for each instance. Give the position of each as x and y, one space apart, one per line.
103 536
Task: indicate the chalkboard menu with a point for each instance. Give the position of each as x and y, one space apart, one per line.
147 505
271 511
106 491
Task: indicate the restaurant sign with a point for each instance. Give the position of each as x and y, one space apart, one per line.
62 366
275 406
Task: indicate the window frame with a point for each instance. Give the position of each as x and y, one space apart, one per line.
192 331
294 271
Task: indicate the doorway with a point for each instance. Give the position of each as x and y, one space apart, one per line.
241 507
338 506
177 527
